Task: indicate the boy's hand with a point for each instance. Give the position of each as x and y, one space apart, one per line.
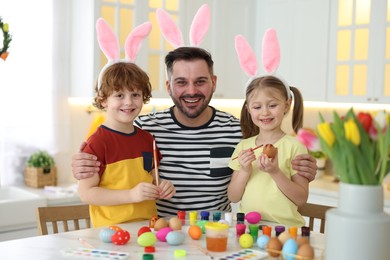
167 190
144 191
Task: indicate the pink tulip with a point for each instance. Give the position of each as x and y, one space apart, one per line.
309 138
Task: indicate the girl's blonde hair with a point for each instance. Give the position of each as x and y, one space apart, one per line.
248 128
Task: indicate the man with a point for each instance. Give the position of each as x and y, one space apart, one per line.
195 140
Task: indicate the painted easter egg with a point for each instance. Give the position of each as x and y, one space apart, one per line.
253 217
116 228
143 230
105 235
162 234
120 237
290 248
245 241
147 239
262 241
195 232
175 237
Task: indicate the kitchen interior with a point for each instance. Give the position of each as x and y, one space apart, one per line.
337 52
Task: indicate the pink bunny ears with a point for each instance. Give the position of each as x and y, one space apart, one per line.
270 52
171 32
109 43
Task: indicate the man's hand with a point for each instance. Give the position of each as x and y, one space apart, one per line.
84 165
305 165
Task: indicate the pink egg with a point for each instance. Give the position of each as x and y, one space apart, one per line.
162 234
253 217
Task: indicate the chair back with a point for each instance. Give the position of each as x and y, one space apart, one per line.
314 212
71 217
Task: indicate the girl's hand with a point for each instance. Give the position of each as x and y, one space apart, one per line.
245 158
144 191
269 165
167 190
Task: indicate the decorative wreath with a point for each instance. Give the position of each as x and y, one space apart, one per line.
6 40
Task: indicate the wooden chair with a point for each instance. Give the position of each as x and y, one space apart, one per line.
314 211
62 214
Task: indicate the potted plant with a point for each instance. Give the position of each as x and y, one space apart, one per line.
358 146
40 170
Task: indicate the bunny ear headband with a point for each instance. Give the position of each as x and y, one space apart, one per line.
271 56
171 32
109 43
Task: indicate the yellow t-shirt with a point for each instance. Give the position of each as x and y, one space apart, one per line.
261 193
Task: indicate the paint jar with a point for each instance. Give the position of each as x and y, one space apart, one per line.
216 236
193 217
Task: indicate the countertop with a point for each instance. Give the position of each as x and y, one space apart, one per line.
327 188
64 194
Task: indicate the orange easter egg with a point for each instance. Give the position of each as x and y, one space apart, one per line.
195 232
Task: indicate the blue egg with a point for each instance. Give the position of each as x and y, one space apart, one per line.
105 235
290 249
262 241
175 237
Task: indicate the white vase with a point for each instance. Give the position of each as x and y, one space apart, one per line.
358 228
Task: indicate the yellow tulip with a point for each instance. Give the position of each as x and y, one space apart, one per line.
352 132
5 27
326 133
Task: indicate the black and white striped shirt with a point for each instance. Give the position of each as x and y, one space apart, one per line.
195 159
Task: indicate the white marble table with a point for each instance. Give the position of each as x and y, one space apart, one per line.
52 246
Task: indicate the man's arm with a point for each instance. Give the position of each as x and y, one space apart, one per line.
84 165
305 165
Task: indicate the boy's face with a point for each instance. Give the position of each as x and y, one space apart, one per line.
191 87
123 107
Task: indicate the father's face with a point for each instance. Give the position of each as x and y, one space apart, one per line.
191 87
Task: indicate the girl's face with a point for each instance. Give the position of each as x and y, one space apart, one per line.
267 108
122 109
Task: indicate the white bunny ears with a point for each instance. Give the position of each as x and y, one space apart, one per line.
171 32
109 43
270 52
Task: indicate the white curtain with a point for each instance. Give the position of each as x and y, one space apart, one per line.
33 85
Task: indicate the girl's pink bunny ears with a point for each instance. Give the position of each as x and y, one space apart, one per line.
271 56
171 32
109 43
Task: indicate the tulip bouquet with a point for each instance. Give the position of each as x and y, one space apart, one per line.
358 146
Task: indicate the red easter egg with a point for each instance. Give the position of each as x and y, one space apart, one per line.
120 237
143 230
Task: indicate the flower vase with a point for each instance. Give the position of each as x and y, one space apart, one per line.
358 228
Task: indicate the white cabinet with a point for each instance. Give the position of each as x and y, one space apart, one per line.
302 28
359 59
228 18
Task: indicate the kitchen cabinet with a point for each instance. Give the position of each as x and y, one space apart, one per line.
303 31
359 52
227 20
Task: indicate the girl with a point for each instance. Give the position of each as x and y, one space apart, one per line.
269 185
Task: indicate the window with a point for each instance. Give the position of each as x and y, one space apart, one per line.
124 15
30 100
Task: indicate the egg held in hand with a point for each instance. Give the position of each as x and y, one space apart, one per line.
270 150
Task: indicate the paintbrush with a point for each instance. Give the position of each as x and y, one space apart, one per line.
257 147
204 251
157 177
